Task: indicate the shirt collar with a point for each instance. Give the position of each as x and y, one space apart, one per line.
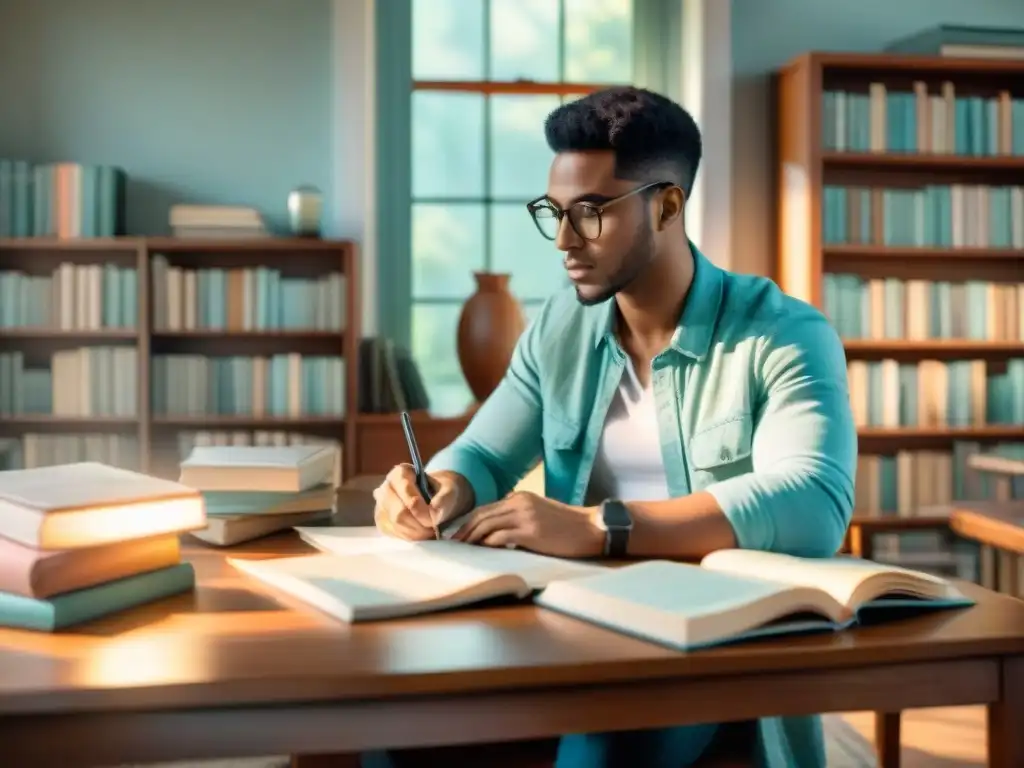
696 326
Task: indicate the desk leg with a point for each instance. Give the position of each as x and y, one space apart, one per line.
887 739
1005 736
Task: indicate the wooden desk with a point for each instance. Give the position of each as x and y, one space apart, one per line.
228 672
998 525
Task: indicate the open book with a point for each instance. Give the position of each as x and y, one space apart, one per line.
742 594
369 577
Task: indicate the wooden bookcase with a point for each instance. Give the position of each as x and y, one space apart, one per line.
900 140
151 338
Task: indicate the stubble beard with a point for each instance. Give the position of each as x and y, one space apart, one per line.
640 254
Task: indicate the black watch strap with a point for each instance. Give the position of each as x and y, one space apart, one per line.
617 542
617 524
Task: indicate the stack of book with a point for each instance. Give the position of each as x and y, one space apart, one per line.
251 491
81 541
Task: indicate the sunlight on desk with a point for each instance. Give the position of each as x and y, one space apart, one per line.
153 659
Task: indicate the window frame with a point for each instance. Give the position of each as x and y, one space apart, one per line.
653 44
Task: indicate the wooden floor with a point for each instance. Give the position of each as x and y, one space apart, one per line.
952 737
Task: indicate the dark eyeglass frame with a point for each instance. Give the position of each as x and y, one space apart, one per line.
597 208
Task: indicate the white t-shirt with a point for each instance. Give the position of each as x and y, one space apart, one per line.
628 465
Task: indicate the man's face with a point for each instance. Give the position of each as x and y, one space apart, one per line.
599 268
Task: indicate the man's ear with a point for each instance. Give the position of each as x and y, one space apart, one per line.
672 202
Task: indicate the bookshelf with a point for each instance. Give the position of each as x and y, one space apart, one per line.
118 349
901 216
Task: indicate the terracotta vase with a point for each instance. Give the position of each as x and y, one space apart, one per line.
489 327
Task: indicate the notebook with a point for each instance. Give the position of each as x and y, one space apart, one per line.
425 577
737 595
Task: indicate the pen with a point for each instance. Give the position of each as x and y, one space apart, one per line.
422 483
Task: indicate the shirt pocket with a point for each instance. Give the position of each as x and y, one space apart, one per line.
722 450
563 441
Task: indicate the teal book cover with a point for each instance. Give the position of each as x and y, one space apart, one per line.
72 608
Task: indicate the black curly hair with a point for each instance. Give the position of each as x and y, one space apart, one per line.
653 138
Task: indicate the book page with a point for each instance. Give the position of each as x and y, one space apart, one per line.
447 558
849 580
687 606
369 586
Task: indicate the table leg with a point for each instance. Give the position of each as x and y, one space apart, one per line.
887 739
1005 736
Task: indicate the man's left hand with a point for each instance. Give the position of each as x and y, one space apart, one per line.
533 522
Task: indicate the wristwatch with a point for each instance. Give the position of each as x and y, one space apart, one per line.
617 523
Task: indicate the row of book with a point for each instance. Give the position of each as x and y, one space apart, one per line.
74 297
61 199
922 484
877 118
45 449
289 385
250 299
940 216
891 308
913 483
80 382
936 393
79 541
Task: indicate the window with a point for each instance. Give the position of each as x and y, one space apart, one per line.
485 75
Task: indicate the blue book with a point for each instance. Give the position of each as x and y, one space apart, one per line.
736 595
71 608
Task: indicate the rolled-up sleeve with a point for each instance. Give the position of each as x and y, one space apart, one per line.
799 497
503 439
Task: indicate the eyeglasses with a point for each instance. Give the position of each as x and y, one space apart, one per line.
584 216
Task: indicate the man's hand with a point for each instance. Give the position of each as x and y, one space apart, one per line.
401 510
533 522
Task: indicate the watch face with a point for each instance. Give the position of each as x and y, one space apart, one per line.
616 515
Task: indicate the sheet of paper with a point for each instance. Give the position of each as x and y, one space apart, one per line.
439 557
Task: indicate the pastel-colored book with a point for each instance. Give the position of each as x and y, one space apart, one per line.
432 576
282 469
40 574
268 502
87 504
80 606
228 530
738 595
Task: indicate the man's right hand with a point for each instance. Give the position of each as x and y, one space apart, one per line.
401 511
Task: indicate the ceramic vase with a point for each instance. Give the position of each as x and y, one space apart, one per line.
490 324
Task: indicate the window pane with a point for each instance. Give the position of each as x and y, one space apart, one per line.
519 152
447 144
434 340
524 40
447 247
448 39
519 249
598 41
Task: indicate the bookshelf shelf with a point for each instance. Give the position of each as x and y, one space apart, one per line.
285 423
49 423
989 432
100 336
938 347
893 253
924 162
308 372
202 334
71 244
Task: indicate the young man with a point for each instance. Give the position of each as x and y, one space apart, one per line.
677 408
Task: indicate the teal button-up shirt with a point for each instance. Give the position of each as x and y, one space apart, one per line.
753 408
